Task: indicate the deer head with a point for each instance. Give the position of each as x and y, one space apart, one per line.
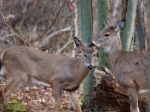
109 37
88 52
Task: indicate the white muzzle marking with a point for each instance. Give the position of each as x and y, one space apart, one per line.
2 71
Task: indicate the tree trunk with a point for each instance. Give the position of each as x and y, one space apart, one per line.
146 20
118 10
128 32
103 16
103 13
140 29
86 32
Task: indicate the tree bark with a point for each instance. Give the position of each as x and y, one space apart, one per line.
86 32
146 21
140 29
103 16
118 10
128 32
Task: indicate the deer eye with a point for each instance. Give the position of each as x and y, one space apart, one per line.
85 55
107 34
95 55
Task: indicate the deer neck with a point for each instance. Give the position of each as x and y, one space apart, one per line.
82 70
113 54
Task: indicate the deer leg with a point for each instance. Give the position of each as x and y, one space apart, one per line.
75 101
10 87
58 95
133 97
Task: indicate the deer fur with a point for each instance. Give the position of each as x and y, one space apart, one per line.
23 64
131 69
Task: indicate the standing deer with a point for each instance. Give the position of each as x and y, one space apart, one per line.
131 69
23 64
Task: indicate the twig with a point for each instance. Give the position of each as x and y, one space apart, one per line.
57 15
46 39
8 35
68 42
17 35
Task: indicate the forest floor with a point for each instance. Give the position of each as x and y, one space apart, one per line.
40 99
106 97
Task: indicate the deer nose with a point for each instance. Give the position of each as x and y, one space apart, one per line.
90 67
91 44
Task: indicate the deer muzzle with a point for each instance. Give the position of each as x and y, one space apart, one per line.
90 67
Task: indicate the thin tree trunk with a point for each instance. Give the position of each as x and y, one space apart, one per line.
86 20
128 32
95 18
118 9
146 19
86 32
140 29
103 15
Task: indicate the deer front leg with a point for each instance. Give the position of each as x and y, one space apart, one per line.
10 87
133 97
75 101
58 95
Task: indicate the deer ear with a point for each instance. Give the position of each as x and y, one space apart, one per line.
120 25
91 44
77 42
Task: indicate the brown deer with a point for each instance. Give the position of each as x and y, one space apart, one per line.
131 69
23 64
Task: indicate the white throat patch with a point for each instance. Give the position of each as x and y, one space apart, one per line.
2 71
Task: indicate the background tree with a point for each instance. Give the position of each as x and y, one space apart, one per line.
144 6
140 29
118 10
103 14
86 34
127 34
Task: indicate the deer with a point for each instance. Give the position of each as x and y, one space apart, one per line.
21 65
131 69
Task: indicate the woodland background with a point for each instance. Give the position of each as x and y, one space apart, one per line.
50 25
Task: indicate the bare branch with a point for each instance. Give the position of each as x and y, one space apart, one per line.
68 42
46 39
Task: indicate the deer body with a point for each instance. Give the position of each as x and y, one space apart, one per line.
130 66
132 74
23 64
131 69
37 64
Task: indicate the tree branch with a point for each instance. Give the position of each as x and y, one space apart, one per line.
46 39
